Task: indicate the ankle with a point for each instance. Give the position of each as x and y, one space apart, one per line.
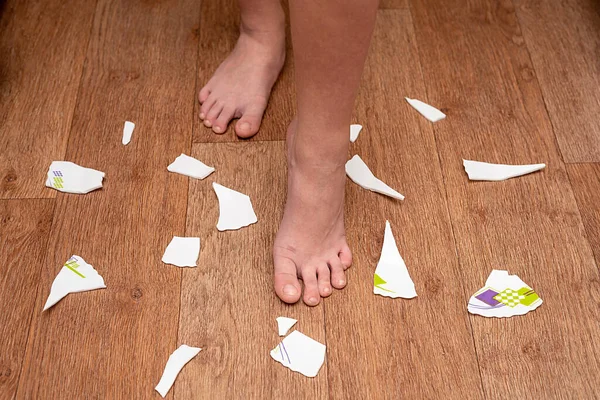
267 23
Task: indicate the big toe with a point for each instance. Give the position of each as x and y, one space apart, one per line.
286 282
249 123
346 256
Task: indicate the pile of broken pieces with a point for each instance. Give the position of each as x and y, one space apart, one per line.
503 295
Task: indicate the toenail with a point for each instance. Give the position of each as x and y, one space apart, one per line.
326 290
289 289
341 282
201 116
312 300
217 129
245 126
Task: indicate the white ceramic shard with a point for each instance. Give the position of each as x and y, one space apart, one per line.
300 353
69 177
189 166
429 112
175 364
284 324
354 131
74 277
127 132
360 174
182 251
503 296
481 171
391 278
235 209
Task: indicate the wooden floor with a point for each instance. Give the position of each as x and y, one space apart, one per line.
519 82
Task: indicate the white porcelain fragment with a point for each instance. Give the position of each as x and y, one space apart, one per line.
182 251
127 132
360 174
503 296
74 277
69 177
354 131
189 166
429 112
391 278
300 353
235 209
481 171
284 324
175 364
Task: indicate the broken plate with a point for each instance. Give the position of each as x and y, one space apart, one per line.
189 166
354 131
391 278
182 251
127 132
175 364
360 174
74 277
300 353
235 209
503 296
69 177
481 171
284 324
429 112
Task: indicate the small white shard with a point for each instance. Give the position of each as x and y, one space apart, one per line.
127 132
175 364
481 171
360 174
300 353
503 296
189 166
235 209
182 251
391 278
354 131
74 277
69 177
284 324
429 112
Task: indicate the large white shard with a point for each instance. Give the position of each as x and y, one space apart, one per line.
189 166
429 112
360 174
354 131
481 171
300 353
74 277
503 296
69 177
127 132
284 324
235 209
391 278
182 251
175 364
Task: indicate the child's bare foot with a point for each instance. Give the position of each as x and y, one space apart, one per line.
311 242
241 86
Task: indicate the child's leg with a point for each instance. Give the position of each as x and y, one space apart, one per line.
241 86
331 40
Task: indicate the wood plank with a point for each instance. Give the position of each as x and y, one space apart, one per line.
42 48
393 4
114 343
394 348
24 229
562 38
482 76
228 305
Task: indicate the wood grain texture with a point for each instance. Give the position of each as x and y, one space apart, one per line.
114 343
228 304
24 229
42 48
482 76
564 42
383 348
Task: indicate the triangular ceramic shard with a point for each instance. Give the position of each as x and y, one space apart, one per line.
235 209
182 251
354 131
481 171
189 166
503 296
300 353
175 364
429 112
391 278
69 177
127 132
74 277
284 324
360 174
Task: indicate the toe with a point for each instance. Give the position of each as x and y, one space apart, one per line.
220 125
346 256
338 276
206 106
286 282
213 113
250 121
324 280
203 95
311 287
